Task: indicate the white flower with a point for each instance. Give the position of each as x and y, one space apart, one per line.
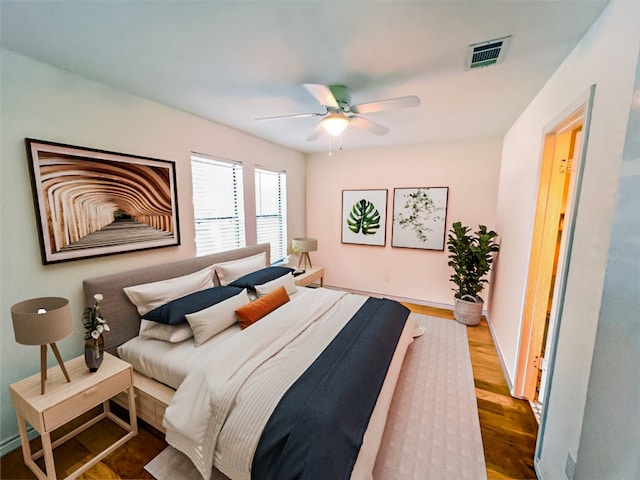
94 323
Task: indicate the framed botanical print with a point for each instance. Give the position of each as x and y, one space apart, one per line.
364 217
419 217
92 202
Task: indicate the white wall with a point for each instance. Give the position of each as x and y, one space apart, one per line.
607 57
617 347
470 170
43 102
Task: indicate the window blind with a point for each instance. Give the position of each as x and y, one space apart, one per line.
271 211
218 204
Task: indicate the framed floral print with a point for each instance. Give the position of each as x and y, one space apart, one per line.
364 217
419 217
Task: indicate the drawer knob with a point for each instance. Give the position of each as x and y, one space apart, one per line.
91 391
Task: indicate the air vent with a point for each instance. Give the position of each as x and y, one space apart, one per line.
488 53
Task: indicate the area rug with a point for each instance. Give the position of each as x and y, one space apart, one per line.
433 431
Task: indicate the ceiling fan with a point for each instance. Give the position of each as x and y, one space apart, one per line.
339 113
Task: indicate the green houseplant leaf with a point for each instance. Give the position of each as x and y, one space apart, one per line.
470 256
364 218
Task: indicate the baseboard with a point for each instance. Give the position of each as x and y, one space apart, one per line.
10 444
537 466
425 303
503 366
505 372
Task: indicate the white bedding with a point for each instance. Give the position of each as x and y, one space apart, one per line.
226 430
169 363
209 400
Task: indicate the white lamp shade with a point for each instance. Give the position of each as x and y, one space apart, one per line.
304 245
335 123
53 323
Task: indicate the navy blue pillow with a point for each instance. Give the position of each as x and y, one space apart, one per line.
173 313
261 276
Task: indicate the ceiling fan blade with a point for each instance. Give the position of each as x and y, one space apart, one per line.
315 134
322 94
400 102
368 125
297 115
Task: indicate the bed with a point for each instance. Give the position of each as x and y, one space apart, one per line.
269 381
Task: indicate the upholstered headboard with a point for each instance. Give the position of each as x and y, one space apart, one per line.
122 315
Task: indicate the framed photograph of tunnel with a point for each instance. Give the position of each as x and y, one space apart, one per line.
91 202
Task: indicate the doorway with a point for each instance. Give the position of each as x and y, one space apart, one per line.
558 186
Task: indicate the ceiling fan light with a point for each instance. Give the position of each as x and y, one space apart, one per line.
335 123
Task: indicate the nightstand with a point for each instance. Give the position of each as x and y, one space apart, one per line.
310 276
62 402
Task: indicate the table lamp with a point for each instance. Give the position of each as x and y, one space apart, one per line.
304 246
43 321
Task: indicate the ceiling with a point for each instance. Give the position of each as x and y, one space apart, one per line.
235 61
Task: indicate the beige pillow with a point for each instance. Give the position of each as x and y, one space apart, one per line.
148 296
287 281
162 331
216 318
229 271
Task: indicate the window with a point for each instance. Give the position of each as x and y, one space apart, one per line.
271 211
218 204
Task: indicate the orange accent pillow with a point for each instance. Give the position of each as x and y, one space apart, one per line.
254 311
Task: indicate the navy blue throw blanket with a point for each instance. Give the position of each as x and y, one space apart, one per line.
316 430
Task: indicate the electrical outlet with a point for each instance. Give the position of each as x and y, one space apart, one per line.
570 467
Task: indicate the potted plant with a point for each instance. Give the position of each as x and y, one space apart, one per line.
470 256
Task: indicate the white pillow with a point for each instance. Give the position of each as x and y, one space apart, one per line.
216 318
162 331
234 269
148 296
287 281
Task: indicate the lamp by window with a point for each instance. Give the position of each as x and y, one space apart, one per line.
43 321
335 123
305 245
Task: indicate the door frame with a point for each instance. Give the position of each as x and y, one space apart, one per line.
556 178
586 99
528 340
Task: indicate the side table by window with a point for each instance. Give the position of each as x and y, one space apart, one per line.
310 276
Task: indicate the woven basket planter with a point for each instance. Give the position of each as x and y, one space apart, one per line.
468 310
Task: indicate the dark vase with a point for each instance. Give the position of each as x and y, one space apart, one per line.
94 353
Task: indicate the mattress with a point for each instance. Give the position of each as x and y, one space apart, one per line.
169 363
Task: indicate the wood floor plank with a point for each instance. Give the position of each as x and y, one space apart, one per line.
507 424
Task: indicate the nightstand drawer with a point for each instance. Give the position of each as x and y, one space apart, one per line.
73 406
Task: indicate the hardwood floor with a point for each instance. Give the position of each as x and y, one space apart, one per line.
126 462
507 424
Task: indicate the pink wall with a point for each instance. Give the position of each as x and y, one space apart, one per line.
470 169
